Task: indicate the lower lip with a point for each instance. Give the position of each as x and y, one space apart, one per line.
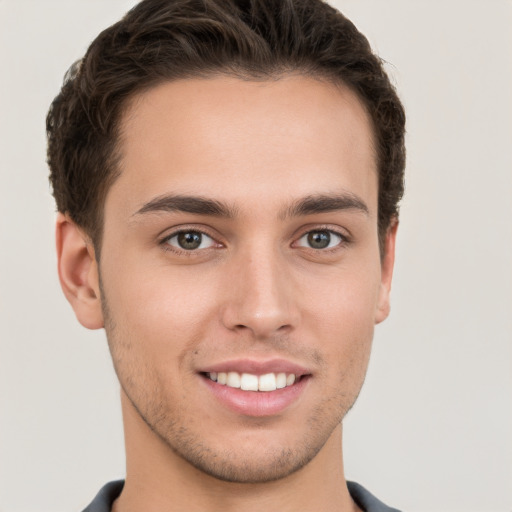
257 403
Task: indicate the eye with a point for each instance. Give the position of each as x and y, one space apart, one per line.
190 240
320 239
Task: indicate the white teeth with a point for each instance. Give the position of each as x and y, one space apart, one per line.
233 380
251 382
281 380
267 382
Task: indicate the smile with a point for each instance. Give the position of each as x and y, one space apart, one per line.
256 388
251 382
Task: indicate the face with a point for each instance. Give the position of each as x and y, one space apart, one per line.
240 269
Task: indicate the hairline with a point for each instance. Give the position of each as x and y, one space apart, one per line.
116 155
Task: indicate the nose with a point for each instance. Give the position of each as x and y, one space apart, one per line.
261 298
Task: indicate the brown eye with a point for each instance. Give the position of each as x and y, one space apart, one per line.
190 240
320 239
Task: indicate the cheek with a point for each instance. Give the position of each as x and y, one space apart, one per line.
341 316
346 301
160 312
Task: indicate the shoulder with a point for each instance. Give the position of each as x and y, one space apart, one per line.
106 497
366 501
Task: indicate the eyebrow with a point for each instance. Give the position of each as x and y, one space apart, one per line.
323 203
198 205
188 204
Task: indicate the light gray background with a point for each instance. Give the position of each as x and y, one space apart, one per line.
433 426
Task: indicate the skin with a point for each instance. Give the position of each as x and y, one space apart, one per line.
255 289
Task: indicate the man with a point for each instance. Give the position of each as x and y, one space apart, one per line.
227 176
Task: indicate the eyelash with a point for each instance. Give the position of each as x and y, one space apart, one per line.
344 240
187 252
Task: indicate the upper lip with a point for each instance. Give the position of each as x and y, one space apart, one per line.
257 367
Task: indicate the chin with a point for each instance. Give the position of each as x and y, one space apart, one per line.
257 457
249 468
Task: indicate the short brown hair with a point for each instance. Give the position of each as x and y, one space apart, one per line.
161 40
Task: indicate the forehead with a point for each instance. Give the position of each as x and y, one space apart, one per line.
238 139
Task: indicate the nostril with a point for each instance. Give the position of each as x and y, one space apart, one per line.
263 320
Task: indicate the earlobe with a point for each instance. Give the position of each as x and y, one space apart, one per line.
387 265
78 272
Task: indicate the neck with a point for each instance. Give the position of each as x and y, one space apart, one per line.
157 479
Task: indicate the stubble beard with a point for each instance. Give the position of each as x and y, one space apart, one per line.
234 465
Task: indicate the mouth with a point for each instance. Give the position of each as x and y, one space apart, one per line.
252 382
254 388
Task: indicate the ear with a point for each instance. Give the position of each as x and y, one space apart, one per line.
387 264
78 272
